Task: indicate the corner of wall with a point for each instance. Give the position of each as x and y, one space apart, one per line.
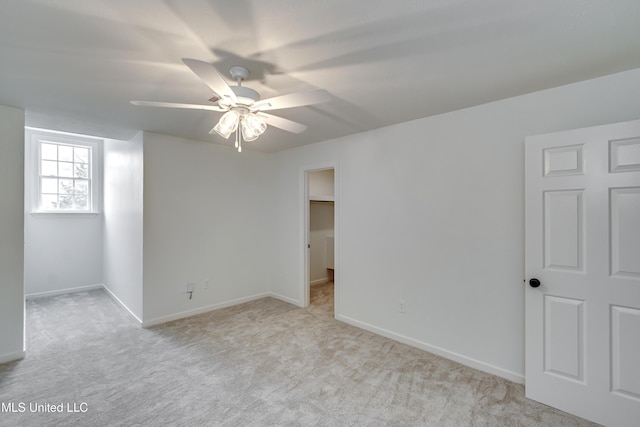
12 234
123 222
207 217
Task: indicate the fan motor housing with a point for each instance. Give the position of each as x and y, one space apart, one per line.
247 93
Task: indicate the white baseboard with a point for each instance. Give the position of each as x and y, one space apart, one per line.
467 361
217 306
319 281
63 291
285 299
119 301
12 357
201 310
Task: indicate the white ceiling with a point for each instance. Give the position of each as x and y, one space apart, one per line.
74 65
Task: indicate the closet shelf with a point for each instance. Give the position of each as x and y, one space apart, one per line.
321 198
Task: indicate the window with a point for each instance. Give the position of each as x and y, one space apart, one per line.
64 173
65 177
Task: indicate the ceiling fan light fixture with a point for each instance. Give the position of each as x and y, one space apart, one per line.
227 124
252 127
242 107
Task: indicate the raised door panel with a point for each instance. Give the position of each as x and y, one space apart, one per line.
624 155
564 337
625 352
563 230
563 161
625 232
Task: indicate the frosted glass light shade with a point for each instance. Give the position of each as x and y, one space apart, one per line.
252 127
227 124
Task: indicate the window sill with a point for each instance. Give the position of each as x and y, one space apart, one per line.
49 214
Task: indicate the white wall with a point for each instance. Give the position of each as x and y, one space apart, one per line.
208 215
321 184
62 251
123 213
321 219
449 237
11 233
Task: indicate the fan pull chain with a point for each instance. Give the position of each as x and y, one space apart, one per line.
238 140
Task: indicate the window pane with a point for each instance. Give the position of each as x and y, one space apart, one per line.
65 153
49 168
49 151
81 196
81 170
65 187
80 201
49 201
82 186
65 169
66 201
81 155
49 185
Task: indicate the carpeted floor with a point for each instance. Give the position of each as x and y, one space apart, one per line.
261 363
321 298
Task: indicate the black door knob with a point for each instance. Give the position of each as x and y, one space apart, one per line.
534 283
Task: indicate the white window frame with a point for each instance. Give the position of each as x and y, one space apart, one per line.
33 139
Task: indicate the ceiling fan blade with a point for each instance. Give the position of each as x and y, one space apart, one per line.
211 77
284 124
177 105
297 99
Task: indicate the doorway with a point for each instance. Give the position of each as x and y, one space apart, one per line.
320 233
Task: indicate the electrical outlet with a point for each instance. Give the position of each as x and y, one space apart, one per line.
206 284
402 306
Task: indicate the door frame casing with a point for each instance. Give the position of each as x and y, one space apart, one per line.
304 235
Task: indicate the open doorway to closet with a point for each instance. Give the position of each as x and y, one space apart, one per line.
320 236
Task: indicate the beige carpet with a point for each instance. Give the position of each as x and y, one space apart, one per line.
321 297
263 363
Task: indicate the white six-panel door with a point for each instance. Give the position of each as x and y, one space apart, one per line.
582 209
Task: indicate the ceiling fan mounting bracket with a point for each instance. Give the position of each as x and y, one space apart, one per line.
238 73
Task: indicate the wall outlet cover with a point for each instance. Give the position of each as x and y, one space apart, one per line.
402 306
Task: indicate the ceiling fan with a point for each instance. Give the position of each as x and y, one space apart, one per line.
244 111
